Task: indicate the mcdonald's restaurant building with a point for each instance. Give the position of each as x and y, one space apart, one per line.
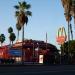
31 49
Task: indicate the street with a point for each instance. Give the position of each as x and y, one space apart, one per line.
38 70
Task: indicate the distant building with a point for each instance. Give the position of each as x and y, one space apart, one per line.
31 50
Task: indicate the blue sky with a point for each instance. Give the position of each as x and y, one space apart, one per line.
47 16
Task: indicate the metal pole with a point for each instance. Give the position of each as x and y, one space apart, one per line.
38 51
33 52
46 40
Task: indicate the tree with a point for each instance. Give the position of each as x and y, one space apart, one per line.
2 38
18 27
12 37
72 47
71 31
71 52
10 30
22 13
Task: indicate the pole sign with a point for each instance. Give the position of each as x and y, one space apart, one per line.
61 37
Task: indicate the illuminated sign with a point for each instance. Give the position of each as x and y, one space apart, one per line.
61 37
15 52
41 59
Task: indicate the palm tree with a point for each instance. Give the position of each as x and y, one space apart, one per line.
71 31
18 27
22 13
68 19
12 37
2 38
10 30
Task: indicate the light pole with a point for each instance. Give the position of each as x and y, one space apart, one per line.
37 50
33 53
46 40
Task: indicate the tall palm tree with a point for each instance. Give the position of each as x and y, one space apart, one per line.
22 13
18 27
2 38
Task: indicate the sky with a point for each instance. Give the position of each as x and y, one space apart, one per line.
47 16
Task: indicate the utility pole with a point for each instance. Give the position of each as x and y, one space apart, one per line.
46 40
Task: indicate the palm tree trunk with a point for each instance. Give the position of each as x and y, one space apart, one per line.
68 38
71 31
12 42
22 44
18 36
1 44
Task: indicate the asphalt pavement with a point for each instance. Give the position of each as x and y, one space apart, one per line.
37 70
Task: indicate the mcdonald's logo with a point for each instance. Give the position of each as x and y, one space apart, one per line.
61 36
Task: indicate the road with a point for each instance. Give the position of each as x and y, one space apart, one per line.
38 70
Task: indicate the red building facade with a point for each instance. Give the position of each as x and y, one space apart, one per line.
31 50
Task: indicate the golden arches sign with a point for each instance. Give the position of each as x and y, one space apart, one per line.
61 36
